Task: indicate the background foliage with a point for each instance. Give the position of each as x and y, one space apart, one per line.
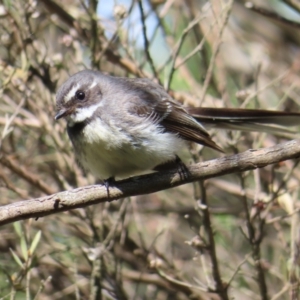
167 245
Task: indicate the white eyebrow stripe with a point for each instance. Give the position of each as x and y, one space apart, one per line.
71 93
94 83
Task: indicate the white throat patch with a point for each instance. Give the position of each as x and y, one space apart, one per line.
83 113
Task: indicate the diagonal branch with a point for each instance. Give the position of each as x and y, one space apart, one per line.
89 195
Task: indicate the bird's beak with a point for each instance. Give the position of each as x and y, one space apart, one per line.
61 113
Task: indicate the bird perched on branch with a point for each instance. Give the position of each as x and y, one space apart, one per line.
125 126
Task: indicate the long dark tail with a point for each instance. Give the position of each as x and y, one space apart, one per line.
245 119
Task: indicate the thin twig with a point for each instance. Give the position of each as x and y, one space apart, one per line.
254 238
146 42
220 287
271 15
178 48
216 49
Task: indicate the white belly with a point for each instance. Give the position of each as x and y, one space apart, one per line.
107 151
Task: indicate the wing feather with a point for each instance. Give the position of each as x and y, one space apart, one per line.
157 105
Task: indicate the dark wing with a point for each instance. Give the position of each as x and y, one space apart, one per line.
180 122
170 115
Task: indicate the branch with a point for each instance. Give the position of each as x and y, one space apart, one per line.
89 195
111 55
273 15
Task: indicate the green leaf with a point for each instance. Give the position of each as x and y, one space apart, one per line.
16 258
24 61
24 248
18 228
35 242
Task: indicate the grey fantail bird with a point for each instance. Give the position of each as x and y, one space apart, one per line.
125 126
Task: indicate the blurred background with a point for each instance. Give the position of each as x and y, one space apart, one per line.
233 237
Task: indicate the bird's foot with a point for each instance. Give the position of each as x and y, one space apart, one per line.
176 163
108 183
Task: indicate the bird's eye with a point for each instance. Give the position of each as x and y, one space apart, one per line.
80 95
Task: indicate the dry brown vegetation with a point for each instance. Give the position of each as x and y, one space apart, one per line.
235 236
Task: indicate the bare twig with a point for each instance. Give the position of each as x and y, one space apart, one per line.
272 15
71 22
178 48
146 42
295 4
254 237
216 48
220 287
26 175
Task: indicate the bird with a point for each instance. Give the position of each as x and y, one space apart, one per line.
120 127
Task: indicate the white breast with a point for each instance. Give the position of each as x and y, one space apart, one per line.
106 150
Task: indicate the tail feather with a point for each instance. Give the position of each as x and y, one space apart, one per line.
245 119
